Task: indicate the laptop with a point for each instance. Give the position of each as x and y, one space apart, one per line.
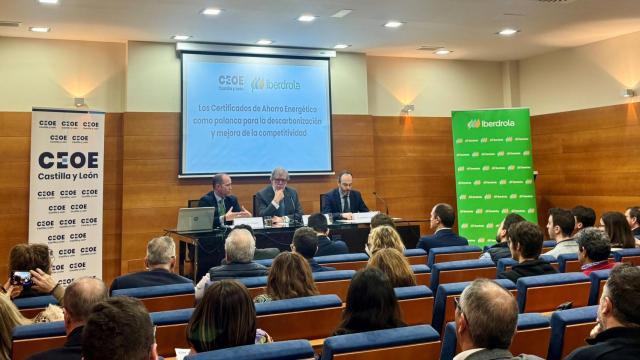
196 219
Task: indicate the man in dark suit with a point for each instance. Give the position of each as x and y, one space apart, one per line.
343 201
277 200
305 243
326 246
160 262
442 218
227 206
79 298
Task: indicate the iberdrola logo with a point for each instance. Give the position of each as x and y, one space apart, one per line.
257 83
473 124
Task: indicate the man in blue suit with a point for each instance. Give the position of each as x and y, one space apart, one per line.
326 246
442 218
227 206
278 200
343 201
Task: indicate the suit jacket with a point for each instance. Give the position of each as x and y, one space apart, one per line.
498 354
147 278
618 343
291 203
237 270
315 267
71 350
328 247
230 202
442 238
332 203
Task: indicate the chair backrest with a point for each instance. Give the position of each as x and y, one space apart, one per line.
545 292
422 274
162 297
443 306
31 306
569 263
313 317
548 245
321 201
416 304
532 337
193 203
170 330
328 282
569 329
254 203
453 253
416 256
30 339
411 342
288 350
598 280
627 256
351 261
458 271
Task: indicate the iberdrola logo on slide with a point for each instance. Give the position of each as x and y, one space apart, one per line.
257 83
473 124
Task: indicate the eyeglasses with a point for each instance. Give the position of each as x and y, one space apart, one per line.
456 300
280 180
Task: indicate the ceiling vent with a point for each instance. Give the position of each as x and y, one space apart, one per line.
10 23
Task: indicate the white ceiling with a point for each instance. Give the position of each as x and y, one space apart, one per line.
465 26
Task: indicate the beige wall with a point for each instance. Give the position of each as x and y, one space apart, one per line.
349 84
583 77
50 73
436 87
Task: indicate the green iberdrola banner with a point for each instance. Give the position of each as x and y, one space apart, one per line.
494 170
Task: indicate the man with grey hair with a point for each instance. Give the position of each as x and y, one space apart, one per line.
616 335
160 263
594 248
278 200
486 317
79 298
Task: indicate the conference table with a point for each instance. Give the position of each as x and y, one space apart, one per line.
209 244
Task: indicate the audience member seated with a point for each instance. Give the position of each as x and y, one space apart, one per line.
616 335
585 217
226 317
618 230
79 298
10 317
525 241
501 248
119 328
259 254
632 214
594 249
395 266
160 262
326 246
36 259
382 219
383 237
560 226
305 243
289 277
486 317
371 304
442 218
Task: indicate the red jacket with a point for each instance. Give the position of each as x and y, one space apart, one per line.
602 266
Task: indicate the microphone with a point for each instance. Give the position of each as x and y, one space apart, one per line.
384 202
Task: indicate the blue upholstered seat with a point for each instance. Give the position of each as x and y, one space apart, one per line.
155 291
35 302
298 304
449 250
39 330
265 262
170 317
253 281
446 290
619 255
412 292
549 243
525 322
342 258
597 277
525 283
559 322
281 350
378 339
415 252
456 265
333 275
420 269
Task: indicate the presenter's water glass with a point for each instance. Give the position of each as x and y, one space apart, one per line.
329 218
267 221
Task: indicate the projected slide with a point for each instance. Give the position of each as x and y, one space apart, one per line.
246 115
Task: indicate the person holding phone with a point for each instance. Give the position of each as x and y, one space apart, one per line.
30 273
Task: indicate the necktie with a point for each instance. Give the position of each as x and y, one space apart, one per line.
221 209
346 208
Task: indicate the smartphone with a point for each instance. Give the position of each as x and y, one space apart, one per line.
20 277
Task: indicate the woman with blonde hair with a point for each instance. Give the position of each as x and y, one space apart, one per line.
10 317
289 277
395 266
383 237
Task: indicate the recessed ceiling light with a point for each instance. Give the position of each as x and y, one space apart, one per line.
442 52
264 42
39 29
508 32
211 11
341 46
306 18
181 37
393 24
342 13
48 1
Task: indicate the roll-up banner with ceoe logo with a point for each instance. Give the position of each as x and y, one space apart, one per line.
66 193
494 170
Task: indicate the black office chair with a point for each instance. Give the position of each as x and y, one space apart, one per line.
321 201
255 206
193 203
